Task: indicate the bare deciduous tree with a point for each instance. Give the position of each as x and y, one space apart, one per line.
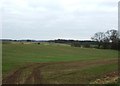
112 35
99 38
108 39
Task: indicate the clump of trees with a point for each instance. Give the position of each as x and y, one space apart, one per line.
107 40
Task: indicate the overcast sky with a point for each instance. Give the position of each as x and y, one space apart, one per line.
53 19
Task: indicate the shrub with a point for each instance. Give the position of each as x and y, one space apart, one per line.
76 44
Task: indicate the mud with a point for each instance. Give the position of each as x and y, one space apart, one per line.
14 78
109 78
35 76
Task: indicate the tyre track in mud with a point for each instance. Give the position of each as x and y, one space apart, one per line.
14 78
34 78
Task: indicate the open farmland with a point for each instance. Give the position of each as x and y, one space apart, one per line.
55 63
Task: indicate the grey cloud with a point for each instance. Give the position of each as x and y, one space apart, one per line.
48 19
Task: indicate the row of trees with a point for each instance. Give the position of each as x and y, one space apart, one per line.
107 40
75 43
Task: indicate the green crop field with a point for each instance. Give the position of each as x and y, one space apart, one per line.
55 63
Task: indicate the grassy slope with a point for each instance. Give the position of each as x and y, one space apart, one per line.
15 55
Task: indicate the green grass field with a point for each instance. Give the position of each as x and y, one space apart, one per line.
56 63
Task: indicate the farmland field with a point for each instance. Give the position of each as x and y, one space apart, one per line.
55 63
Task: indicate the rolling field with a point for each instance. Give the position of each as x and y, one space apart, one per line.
55 64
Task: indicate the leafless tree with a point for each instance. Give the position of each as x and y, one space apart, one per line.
112 35
108 39
99 38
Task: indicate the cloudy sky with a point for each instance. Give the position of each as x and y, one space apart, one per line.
53 19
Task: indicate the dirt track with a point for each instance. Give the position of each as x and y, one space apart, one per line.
31 74
33 77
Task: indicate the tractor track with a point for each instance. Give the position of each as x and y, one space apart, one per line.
35 69
34 78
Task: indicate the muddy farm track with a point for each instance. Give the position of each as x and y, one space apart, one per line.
31 74
34 75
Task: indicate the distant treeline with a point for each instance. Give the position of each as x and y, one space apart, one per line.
75 43
102 40
25 40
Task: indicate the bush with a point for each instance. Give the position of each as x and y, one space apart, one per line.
38 43
86 45
76 44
